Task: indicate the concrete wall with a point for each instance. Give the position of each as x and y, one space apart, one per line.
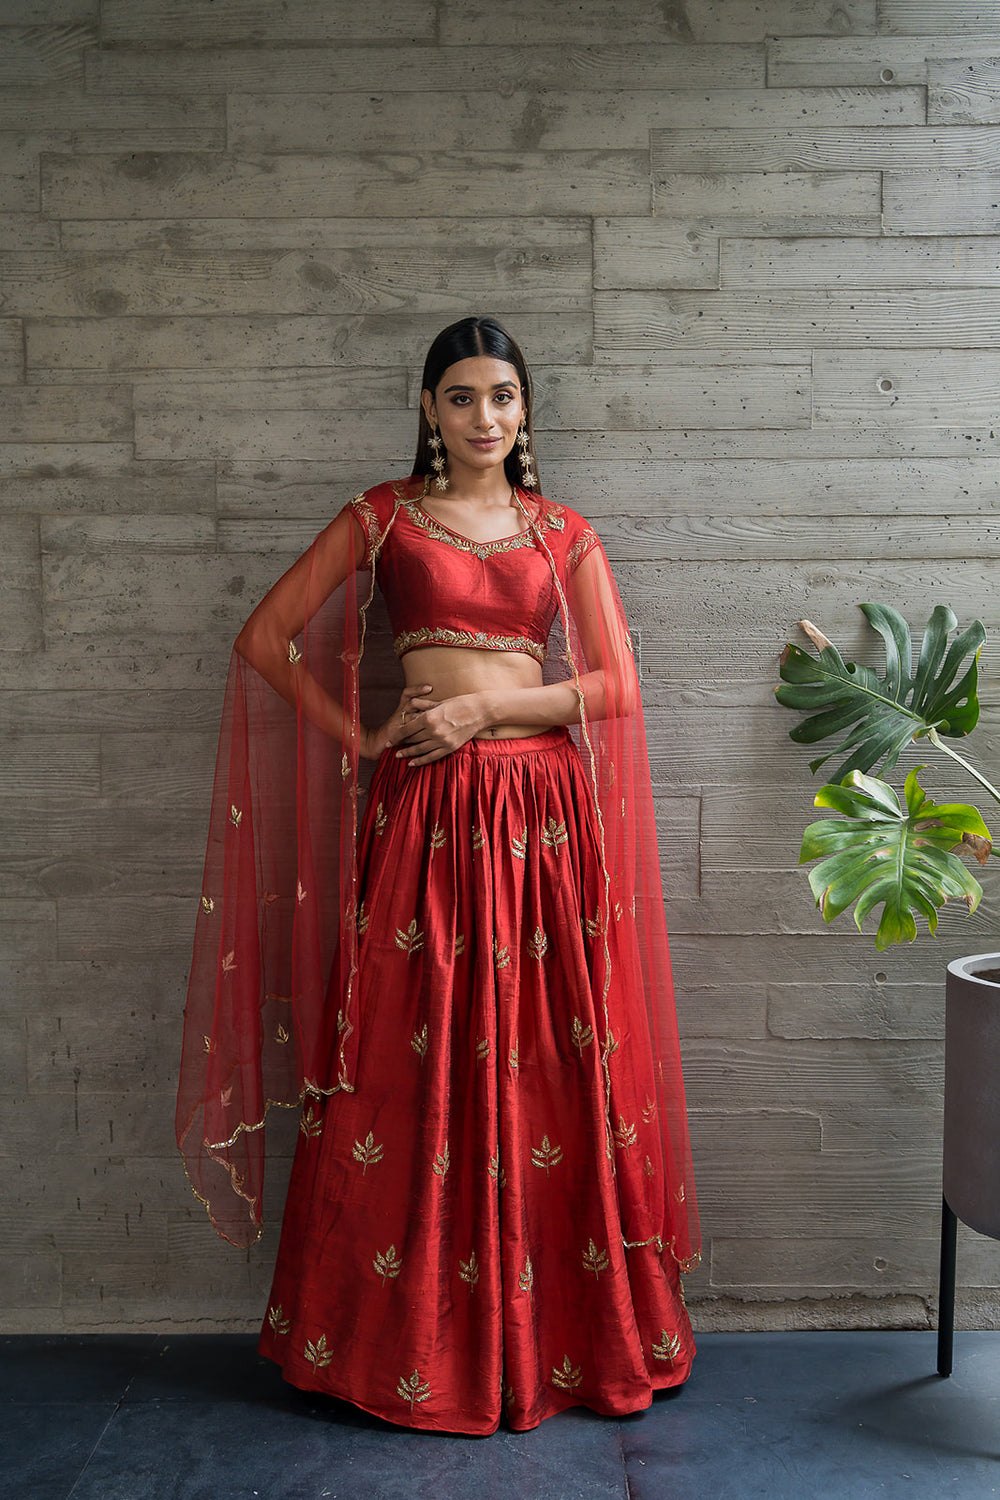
228 232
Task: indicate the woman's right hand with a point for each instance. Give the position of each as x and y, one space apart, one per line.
374 741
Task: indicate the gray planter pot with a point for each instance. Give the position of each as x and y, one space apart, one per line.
972 1093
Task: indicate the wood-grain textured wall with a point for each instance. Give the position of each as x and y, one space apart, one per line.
753 251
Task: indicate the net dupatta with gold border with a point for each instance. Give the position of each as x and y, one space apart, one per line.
271 1015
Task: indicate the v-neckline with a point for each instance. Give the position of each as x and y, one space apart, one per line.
431 524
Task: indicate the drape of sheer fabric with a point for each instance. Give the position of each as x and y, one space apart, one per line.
278 911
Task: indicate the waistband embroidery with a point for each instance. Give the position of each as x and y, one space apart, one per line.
478 640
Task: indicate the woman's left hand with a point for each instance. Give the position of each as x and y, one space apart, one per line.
433 730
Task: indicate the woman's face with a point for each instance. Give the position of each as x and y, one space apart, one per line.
477 407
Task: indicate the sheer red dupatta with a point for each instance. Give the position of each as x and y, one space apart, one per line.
270 1016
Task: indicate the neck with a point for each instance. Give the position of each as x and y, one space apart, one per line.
478 486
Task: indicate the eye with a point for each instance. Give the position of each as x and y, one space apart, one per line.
505 397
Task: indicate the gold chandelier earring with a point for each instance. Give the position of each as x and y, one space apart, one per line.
438 461
525 459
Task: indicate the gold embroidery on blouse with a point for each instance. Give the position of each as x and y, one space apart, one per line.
207 905
380 820
389 1265
526 1279
469 1271
414 1389
442 1161
669 1346
460 945
595 1260
438 837
554 834
368 518
310 1124
235 816
441 533
369 1154
625 1135
483 1049
294 654
496 1171
519 846
412 940
476 640
546 1155
418 1041
501 956
583 544
279 1323
538 945
582 1035
568 1376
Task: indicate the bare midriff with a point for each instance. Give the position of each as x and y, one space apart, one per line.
454 670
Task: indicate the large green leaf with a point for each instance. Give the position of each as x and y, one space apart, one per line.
879 716
880 853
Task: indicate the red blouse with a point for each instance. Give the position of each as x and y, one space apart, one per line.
443 589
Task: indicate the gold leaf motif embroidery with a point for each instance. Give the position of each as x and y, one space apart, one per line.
210 1046
362 920
318 1355
414 1389
483 1049
669 1346
294 654
345 766
680 1194
512 1058
649 1112
460 945
438 837
496 1171
594 926
207 905
380 820
277 1320
418 1041
300 892
281 1035
526 1280
612 1044
478 838
582 1035
269 897
226 1097
229 961
519 846
595 1260
568 1376
388 1265
554 834
441 635
469 1271
501 956
648 1168
625 1135
546 1155
310 1125
369 1154
442 1162
411 941
538 945
235 816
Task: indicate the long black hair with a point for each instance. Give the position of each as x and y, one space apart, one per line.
467 339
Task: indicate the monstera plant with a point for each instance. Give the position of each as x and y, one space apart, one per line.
882 849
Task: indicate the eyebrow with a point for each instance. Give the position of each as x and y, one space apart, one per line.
500 385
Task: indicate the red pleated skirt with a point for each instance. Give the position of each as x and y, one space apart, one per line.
475 1229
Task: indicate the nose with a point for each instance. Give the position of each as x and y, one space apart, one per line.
484 416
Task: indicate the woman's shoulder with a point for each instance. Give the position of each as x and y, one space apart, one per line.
572 529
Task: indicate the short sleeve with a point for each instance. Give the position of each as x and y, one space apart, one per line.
366 515
585 540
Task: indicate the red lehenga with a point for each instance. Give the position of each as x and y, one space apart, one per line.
468 989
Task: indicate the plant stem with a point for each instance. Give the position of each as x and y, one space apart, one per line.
987 786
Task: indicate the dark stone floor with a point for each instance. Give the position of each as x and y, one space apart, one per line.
786 1416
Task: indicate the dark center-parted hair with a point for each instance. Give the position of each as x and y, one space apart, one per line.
468 339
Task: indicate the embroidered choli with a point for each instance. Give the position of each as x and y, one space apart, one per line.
444 589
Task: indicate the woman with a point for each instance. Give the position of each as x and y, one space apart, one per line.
491 1199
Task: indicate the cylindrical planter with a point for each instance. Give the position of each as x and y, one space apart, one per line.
972 1093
